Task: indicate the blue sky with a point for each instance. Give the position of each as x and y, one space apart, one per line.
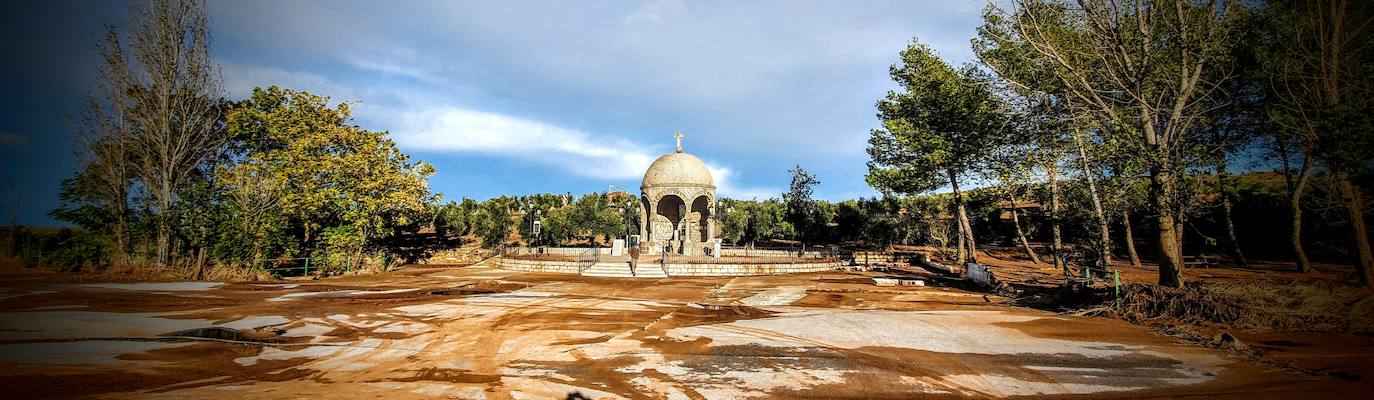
519 97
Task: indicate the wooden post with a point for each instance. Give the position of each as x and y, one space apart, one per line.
1116 283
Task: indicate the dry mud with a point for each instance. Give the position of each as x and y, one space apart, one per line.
476 332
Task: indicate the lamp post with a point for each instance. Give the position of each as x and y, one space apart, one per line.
625 212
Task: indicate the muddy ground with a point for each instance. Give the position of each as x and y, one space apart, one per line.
477 332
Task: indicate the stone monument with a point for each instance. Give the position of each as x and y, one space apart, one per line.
676 203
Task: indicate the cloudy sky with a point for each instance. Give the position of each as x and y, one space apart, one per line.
518 97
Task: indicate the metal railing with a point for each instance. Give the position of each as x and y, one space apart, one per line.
542 251
588 258
818 251
272 265
1113 276
682 259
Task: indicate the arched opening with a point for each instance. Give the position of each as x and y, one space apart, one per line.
667 217
701 215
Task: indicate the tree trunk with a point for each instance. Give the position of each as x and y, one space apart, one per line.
959 247
200 263
1354 205
164 235
1225 194
121 242
1057 245
965 229
1295 205
1170 249
1103 226
968 231
1130 239
1016 220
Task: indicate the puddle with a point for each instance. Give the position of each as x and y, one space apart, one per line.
478 288
213 332
337 293
157 287
722 312
85 352
461 292
222 333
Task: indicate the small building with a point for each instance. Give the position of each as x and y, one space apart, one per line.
677 201
1024 207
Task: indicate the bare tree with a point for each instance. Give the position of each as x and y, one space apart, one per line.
102 150
168 85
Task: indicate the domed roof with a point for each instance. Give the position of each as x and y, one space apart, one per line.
678 169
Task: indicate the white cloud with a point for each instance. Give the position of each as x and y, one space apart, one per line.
652 12
453 129
783 82
727 185
12 139
391 66
459 130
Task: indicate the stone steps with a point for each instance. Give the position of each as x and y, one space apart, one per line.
622 270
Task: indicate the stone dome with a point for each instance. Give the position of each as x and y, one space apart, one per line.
678 170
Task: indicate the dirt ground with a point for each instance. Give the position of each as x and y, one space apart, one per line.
478 332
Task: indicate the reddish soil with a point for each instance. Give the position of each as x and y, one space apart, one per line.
478 332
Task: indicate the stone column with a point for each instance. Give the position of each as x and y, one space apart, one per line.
689 239
643 217
711 224
648 238
689 243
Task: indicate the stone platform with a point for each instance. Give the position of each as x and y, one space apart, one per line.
613 269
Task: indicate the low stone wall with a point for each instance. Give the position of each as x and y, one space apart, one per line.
556 267
458 256
874 257
739 251
570 267
750 269
562 251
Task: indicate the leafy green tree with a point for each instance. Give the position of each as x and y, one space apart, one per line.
802 210
1014 173
330 172
1135 71
493 221
255 223
456 218
1318 63
935 132
749 221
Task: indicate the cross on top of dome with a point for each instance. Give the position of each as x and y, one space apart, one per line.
678 136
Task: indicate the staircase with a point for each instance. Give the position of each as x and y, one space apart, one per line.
622 270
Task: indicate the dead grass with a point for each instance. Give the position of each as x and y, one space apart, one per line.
1315 306
146 273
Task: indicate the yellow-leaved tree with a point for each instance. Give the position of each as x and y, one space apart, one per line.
329 176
